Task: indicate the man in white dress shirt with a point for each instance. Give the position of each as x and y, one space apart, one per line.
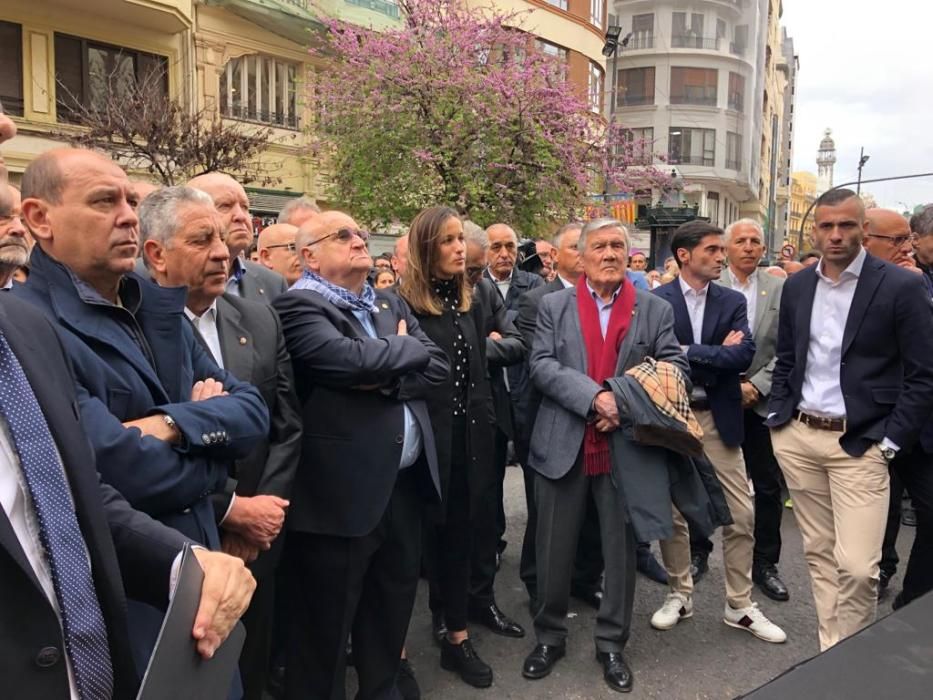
852 387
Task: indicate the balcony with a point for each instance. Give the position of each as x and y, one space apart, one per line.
625 100
700 97
677 159
733 165
389 8
690 41
736 101
640 41
737 49
288 18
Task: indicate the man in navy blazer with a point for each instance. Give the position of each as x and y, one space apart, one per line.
163 419
852 389
711 324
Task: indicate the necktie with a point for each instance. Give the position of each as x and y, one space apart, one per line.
82 620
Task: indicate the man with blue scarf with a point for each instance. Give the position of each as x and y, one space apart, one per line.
362 366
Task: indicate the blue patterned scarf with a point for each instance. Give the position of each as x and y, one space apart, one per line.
338 296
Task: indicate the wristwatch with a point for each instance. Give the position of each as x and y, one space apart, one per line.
170 422
888 453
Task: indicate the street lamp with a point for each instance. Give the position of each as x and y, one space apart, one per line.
862 159
611 49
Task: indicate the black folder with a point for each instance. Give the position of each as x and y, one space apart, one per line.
176 670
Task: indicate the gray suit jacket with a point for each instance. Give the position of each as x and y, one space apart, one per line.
764 330
259 283
558 370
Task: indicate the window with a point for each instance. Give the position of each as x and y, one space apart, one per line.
596 87
712 207
89 74
641 143
733 151
562 4
636 87
739 40
11 75
642 32
597 12
693 86
560 55
385 7
261 89
736 92
684 35
692 146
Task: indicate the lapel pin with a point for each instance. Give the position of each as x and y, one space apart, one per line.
262 291
242 340
764 292
384 305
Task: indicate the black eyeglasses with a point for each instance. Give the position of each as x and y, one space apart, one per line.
291 246
344 235
896 241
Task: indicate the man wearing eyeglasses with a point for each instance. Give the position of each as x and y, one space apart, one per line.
887 236
362 365
278 251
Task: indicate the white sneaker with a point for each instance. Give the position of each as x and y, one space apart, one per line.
677 607
753 620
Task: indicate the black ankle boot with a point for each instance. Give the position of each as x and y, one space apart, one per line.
463 659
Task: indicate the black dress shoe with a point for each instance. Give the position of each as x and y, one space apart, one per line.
406 682
463 659
646 564
591 596
616 672
540 662
770 583
496 620
438 628
699 565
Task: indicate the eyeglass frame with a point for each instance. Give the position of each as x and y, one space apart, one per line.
344 235
898 241
292 247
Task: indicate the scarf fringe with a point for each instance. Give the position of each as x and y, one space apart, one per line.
597 463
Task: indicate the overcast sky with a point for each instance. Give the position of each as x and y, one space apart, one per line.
866 72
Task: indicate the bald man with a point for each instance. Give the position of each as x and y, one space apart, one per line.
278 251
247 279
887 236
144 188
164 421
400 257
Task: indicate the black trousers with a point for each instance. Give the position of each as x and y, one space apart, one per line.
765 474
915 470
258 620
489 526
449 564
364 585
889 556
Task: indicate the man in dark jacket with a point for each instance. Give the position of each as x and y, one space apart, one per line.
362 367
163 419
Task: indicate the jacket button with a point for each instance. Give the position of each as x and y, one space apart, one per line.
399 439
47 656
206 439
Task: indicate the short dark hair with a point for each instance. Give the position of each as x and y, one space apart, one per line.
44 179
921 223
832 198
689 235
809 254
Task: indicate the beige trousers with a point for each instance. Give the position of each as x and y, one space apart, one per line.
738 539
841 506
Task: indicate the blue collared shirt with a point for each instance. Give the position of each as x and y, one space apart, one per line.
413 443
604 307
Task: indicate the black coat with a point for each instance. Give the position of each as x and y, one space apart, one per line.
351 388
122 544
477 323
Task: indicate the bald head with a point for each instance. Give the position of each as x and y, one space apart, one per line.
340 259
400 258
144 188
792 266
232 204
887 235
502 251
278 251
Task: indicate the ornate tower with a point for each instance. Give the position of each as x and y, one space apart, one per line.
825 160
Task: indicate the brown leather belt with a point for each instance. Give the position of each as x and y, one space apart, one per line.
836 425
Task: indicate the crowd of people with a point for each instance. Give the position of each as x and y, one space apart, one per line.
326 428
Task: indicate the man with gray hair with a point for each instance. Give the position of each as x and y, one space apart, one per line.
595 330
921 227
297 211
182 240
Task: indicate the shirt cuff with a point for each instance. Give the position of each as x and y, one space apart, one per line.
229 508
176 565
887 443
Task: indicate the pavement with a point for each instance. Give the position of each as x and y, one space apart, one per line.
699 659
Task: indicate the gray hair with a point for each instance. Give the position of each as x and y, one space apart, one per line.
598 225
158 213
921 223
558 237
743 222
474 233
293 205
514 232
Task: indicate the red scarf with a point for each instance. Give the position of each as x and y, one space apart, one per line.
602 356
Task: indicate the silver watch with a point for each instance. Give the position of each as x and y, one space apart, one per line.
889 453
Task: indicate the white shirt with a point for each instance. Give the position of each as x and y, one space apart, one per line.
750 292
821 393
502 285
567 285
696 307
206 325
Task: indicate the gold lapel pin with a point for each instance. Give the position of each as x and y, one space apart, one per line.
384 305
764 292
242 340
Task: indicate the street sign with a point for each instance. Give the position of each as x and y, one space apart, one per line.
788 252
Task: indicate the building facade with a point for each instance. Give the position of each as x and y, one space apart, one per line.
701 79
825 162
803 193
791 68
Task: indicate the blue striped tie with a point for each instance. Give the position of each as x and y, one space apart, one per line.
82 620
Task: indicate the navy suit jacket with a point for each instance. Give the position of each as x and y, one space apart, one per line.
122 544
886 371
351 388
712 366
118 382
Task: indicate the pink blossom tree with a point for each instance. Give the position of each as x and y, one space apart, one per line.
457 106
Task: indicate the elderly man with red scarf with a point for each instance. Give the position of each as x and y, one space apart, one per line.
587 334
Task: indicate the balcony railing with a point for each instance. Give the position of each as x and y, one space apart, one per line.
733 165
704 99
690 41
736 101
736 49
677 159
626 100
385 7
641 41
